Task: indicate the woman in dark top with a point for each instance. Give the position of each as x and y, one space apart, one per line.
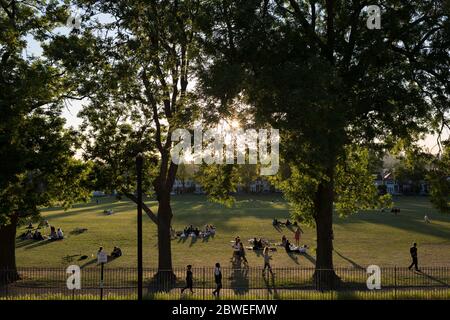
189 280
287 246
217 279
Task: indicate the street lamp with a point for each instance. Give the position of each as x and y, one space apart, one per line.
139 163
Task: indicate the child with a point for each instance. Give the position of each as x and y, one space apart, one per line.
189 279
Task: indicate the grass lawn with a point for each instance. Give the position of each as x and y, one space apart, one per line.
360 240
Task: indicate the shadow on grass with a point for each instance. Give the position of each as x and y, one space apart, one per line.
269 282
310 258
182 240
193 241
353 263
40 244
294 257
410 219
90 262
70 258
239 278
277 227
93 208
433 278
24 243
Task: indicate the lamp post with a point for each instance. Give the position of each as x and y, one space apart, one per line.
139 163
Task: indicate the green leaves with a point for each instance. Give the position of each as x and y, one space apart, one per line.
439 179
354 184
218 181
36 151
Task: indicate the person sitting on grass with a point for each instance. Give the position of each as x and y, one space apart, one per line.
257 244
287 246
38 236
53 234
117 252
60 234
288 223
189 279
302 249
275 222
283 240
26 235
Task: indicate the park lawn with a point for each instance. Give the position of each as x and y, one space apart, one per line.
360 240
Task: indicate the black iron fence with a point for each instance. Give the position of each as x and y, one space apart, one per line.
237 283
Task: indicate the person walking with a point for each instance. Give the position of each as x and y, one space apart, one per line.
413 252
242 253
267 258
189 279
217 279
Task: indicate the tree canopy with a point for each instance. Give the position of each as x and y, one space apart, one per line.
38 165
333 87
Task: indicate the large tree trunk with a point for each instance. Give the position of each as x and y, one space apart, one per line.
8 270
324 276
165 275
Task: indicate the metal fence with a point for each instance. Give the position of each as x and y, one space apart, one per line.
238 284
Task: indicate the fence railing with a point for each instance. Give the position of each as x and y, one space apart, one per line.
237 283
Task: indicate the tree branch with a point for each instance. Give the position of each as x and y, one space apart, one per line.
147 210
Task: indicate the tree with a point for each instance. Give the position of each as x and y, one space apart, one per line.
38 168
134 68
412 168
332 86
438 176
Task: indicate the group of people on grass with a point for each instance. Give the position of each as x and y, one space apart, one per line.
288 223
116 252
267 267
286 244
190 231
55 234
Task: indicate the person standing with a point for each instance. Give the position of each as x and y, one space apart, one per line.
217 279
189 279
413 252
297 235
267 258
